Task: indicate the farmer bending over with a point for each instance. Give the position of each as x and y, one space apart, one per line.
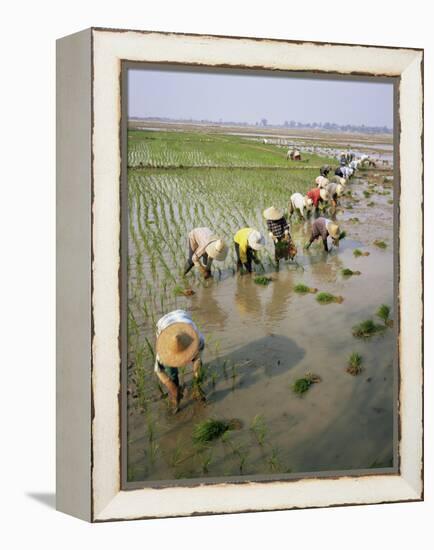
179 342
278 229
203 248
317 196
247 242
322 227
324 170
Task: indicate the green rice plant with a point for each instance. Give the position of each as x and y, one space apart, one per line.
390 201
206 461
383 313
354 366
380 244
357 253
262 280
301 385
366 329
304 289
367 194
176 457
342 235
327 298
346 272
209 429
259 429
371 203
234 375
273 460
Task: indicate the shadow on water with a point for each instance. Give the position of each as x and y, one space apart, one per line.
271 356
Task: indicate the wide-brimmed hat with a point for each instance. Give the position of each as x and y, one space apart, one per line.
177 345
321 181
256 240
324 194
334 231
272 213
217 250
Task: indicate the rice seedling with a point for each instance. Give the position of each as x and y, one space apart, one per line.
371 203
259 429
262 280
383 313
301 385
342 235
234 375
304 289
380 244
206 461
273 460
354 366
327 298
366 329
366 193
390 201
357 253
346 272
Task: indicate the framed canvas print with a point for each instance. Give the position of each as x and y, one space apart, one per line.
239 274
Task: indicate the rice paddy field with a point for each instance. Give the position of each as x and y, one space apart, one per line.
290 388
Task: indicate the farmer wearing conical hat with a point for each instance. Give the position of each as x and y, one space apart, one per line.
247 242
203 248
179 342
278 229
323 227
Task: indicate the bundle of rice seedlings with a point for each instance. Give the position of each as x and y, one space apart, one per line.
380 244
366 193
209 429
342 235
262 280
348 272
366 329
179 291
354 364
304 289
371 203
327 298
301 385
383 313
357 253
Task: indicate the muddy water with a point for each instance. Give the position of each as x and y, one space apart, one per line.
261 339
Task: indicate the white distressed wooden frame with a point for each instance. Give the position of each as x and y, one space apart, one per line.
88 359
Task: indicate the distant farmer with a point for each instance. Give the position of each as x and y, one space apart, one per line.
344 172
318 196
324 170
179 342
278 228
322 227
299 203
203 248
247 243
342 158
294 154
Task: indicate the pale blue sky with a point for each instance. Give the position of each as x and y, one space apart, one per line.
248 98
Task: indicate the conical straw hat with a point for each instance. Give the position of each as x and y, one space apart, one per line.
217 250
272 213
333 229
256 240
177 345
323 194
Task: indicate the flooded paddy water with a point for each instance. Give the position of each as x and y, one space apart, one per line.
261 339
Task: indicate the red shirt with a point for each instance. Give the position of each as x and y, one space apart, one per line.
315 195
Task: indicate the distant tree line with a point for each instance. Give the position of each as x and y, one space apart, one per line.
327 126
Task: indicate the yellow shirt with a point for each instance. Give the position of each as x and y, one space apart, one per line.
241 238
